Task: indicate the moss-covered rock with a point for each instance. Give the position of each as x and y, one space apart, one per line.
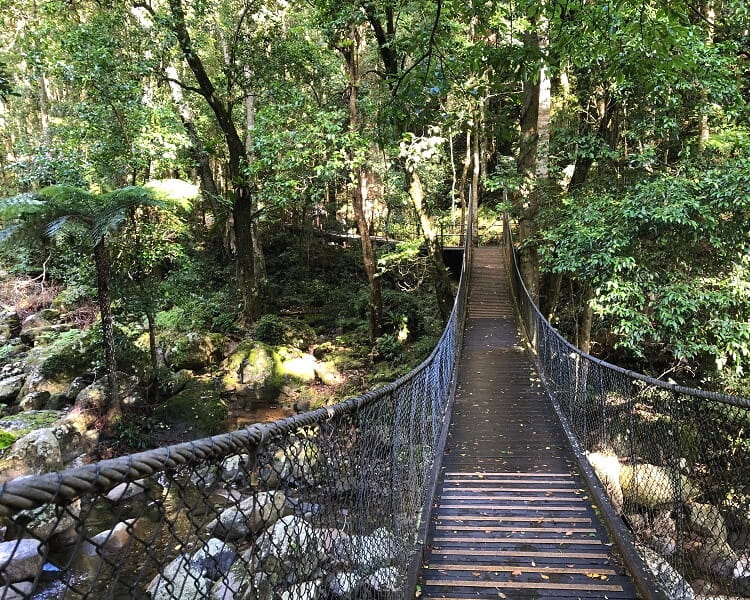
10 325
195 351
53 367
652 486
251 371
198 405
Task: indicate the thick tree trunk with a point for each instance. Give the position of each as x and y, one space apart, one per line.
101 262
359 193
441 280
245 254
243 211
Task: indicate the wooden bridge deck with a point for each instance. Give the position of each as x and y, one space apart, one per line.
511 516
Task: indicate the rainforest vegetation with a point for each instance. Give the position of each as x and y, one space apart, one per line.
192 189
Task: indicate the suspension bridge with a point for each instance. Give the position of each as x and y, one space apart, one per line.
489 471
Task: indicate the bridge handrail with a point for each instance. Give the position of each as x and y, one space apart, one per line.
665 457
342 487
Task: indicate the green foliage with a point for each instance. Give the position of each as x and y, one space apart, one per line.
668 259
270 329
387 347
7 439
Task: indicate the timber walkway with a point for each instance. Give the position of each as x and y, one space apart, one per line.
511 517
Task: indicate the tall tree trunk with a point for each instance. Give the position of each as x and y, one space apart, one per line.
475 182
440 277
259 261
462 185
352 54
101 261
243 210
359 194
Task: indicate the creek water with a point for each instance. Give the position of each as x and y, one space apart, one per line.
169 520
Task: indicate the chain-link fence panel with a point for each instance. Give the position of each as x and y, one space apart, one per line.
674 461
326 504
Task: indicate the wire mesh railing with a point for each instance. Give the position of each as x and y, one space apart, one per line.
674 461
326 504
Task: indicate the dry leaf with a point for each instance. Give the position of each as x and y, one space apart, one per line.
543 576
516 572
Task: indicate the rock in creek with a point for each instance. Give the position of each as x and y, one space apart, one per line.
20 560
191 577
250 516
672 583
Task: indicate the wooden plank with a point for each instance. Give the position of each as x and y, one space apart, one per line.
524 554
517 498
512 507
508 473
520 518
481 528
507 489
523 570
509 540
520 585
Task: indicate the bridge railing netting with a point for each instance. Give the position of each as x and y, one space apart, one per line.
674 461
326 504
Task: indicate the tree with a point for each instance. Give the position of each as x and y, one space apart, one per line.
54 208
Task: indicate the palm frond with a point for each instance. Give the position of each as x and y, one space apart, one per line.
56 226
7 232
68 199
20 205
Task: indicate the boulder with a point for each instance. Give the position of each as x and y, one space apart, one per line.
10 388
78 385
34 401
706 521
10 325
32 335
21 560
297 463
180 579
328 374
176 382
92 401
385 582
35 320
199 405
191 577
113 540
53 367
343 585
35 453
288 551
607 468
652 486
250 516
250 372
20 590
367 552
195 352
52 315
49 519
128 490
712 557
671 582
299 368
